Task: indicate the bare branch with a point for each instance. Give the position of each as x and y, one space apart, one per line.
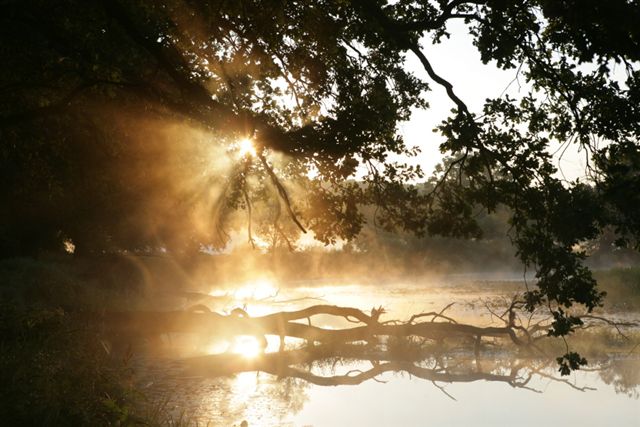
462 107
434 314
442 389
615 324
281 191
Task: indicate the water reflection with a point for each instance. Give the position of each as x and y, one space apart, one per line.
623 375
273 388
390 382
257 398
322 365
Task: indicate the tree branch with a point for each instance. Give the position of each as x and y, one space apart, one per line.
281 191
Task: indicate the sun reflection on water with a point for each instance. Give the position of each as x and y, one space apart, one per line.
256 290
243 390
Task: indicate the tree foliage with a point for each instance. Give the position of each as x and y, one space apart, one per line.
113 113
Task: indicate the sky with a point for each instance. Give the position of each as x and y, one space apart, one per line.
458 61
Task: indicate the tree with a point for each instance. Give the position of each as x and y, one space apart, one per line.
98 96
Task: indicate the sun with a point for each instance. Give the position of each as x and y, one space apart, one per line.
256 290
246 147
247 346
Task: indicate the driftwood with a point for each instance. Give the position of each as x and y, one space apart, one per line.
287 324
414 346
367 327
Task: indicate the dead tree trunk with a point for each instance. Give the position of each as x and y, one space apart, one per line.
287 324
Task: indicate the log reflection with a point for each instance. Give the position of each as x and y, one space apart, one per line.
230 386
430 346
428 364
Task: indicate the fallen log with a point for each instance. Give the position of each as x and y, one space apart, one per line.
286 324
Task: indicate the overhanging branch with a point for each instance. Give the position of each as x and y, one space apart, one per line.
282 192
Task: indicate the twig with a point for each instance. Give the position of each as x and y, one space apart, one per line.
442 389
610 322
434 314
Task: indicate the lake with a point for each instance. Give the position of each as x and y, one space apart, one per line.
206 380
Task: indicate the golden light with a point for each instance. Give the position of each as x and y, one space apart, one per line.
243 388
247 346
246 147
69 247
258 289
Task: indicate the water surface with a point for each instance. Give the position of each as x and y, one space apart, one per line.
605 394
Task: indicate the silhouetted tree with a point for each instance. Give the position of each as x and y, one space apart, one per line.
102 102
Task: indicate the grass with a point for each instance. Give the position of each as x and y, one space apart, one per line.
55 368
55 371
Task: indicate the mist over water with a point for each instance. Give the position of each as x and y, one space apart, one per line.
403 382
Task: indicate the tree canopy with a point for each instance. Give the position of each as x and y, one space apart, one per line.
120 123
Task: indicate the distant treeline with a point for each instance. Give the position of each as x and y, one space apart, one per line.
374 256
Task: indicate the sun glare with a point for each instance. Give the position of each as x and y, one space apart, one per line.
247 347
246 147
256 290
